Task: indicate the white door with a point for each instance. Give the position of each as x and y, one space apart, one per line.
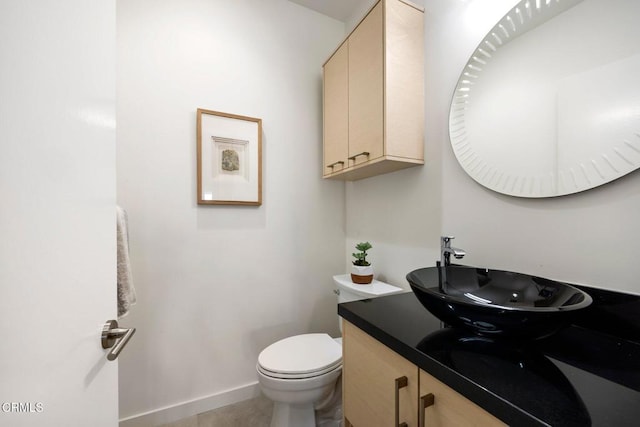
57 212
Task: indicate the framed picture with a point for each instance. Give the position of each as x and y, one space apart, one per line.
229 159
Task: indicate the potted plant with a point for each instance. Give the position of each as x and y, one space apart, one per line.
361 270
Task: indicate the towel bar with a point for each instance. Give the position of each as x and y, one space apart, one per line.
110 335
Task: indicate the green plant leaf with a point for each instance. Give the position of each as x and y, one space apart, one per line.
363 246
361 257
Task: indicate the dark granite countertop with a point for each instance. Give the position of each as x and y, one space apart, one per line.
586 374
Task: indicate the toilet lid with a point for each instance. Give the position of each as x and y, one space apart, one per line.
301 354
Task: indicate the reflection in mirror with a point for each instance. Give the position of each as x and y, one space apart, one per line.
500 366
549 102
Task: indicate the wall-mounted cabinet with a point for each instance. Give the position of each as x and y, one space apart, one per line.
374 95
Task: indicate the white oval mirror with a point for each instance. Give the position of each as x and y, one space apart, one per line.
549 103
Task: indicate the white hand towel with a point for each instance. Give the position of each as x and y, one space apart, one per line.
126 291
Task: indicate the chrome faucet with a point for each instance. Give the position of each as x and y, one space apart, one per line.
446 251
445 254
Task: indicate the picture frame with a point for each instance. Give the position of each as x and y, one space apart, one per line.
229 159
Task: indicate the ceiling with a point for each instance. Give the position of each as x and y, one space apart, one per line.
341 10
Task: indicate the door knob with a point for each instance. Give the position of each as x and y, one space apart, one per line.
115 337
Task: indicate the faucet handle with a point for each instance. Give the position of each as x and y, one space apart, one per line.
446 239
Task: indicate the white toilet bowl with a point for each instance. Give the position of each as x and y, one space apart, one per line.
300 374
296 373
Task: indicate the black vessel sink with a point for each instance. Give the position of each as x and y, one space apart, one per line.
496 303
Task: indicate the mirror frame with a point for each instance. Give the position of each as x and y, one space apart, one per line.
523 17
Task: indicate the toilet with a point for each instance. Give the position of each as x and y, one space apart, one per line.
300 373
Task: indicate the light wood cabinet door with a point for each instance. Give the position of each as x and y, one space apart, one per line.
369 374
450 408
366 73
336 110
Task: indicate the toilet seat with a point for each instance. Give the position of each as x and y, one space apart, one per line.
301 356
288 376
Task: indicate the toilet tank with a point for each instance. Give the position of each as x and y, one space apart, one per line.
349 291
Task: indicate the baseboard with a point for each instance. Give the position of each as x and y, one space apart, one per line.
176 412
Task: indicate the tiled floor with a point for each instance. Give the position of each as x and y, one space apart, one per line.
250 413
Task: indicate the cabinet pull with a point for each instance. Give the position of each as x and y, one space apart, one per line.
339 162
400 383
364 153
425 401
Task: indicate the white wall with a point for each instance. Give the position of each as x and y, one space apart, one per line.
216 284
361 9
589 238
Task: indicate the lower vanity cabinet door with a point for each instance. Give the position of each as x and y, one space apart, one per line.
441 406
379 386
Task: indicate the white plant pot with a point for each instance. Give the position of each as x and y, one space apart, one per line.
361 275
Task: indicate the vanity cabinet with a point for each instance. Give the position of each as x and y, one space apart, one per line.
381 388
377 382
373 112
449 408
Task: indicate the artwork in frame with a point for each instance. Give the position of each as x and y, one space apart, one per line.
229 159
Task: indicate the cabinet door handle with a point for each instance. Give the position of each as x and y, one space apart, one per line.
425 401
364 153
339 162
400 383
